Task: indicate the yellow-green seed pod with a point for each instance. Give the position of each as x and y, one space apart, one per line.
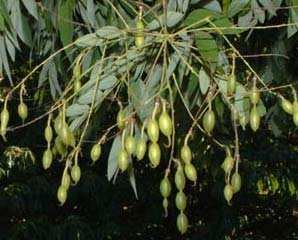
287 106
58 123
254 96
191 172
23 111
75 173
153 130
231 85
180 179
123 160
130 144
4 117
186 154
181 200
165 187
165 203
154 154
62 194
77 86
165 124
209 121
121 119
47 159
60 147
141 148
254 119
48 134
182 223
139 39
95 152
228 164
236 182
228 193
65 181
295 112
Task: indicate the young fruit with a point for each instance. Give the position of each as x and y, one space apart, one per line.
23 111
165 124
77 85
236 182
123 160
295 112
228 164
65 181
153 130
186 154
287 106
165 187
47 159
121 119
60 147
191 172
243 120
165 203
66 135
182 223
140 39
141 149
75 173
48 134
209 121
254 96
254 118
180 179
228 192
4 117
62 194
58 123
180 200
154 154
231 85
95 152
130 144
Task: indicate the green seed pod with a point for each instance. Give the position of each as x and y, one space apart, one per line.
165 187
228 164
75 173
95 152
209 121
58 123
121 122
60 147
123 160
154 154
182 223
47 159
48 134
287 106
23 111
141 149
165 124
295 112
243 120
254 119
62 194
54 151
140 39
66 135
180 179
130 144
191 172
65 181
236 182
231 85
228 192
77 85
4 117
254 96
165 203
186 154
153 130
180 200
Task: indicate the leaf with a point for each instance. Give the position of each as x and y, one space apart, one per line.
213 5
10 48
53 79
196 17
224 22
89 40
173 18
174 60
4 59
108 82
43 75
77 122
132 180
113 157
207 47
65 25
261 108
204 80
109 32
155 76
31 7
2 23
76 109
237 6
269 6
87 97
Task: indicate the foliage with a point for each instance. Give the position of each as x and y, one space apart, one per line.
156 77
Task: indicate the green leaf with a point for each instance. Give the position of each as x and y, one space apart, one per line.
261 108
207 47
89 40
237 6
77 109
2 23
132 180
109 32
31 7
204 81
113 157
213 5
197 17
53 79
65 18
173 18
4 59
10 48
224 22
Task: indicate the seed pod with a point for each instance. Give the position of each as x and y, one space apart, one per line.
23 111
75 173
48 134
140 39
287 106
191 172
95 152
141 149
254 118
209 121
62 194
236 182
4 117
65 181
243 120
60 147
228 192
47 159
154 154
165 203
182 223
121 119
66 135
254 96
186 154
77 85
180 200
228 164
295 112
130 144
58 123
231 85
180 179
123 160
165 187
153 130
165 124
